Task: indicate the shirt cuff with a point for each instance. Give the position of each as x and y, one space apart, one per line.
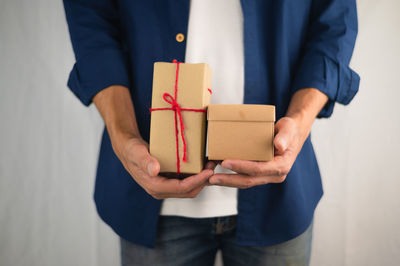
98 71
338 81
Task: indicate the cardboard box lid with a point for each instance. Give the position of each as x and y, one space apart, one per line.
241 112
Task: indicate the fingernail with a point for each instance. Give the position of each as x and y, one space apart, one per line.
150 168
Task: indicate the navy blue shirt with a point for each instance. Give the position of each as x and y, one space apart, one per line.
289 45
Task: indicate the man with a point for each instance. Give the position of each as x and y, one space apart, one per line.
293 54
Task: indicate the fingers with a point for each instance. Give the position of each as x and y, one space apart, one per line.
161 187
145 170
252 168
191 194
244 181
211 165
189 183
287 142
141 158
285 131
253 173
282 139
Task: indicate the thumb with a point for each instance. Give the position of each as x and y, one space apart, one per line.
153 166
280 143
283 138
145 161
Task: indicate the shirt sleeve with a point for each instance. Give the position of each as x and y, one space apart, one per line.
96 40
327 52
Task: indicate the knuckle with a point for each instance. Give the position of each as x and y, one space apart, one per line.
258 170
184 187
150 190
181 188
136 149
279 172
154 193
142 164
192 194
141 148
281 179
283 170
248 183
286 170
156 196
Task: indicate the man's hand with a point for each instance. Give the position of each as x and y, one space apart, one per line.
115 106
290 133
287 142
144 168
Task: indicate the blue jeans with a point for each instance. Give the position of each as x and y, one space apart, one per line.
185 241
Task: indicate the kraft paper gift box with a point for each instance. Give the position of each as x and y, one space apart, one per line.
180 97
241 131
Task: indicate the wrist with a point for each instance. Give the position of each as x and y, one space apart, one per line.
304 108
120 136
303 120
116 108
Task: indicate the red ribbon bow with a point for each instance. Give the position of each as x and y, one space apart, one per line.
177 109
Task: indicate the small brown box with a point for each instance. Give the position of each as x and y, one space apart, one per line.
193 81
241 131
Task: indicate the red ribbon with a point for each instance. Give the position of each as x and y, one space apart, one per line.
177 109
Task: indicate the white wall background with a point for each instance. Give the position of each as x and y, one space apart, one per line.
49 145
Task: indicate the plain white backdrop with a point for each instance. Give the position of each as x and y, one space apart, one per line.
49 145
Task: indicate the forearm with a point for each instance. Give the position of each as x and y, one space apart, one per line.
304 108
116 108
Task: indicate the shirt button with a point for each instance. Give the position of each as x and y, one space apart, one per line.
180 37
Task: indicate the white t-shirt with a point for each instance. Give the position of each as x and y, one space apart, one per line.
215 37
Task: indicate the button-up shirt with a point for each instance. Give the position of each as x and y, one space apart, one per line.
288 45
